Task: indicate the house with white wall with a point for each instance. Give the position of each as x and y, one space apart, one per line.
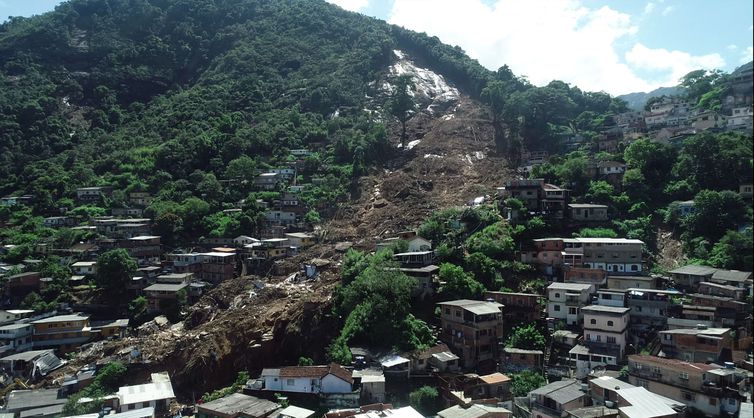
328 379
565 300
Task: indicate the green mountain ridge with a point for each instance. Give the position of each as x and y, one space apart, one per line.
146 92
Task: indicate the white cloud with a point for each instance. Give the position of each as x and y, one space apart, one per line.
731 47
352 5
544 40
675 64
747 55
666 11
648 8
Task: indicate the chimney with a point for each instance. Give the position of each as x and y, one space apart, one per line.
701 326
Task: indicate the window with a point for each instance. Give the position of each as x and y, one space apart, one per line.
599 338
683 376
610 323
593 321
731 401
447 311
634 267
556 308
557 295
688 396
290 382
572 311
713 401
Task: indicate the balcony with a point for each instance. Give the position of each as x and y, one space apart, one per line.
574 300
603 348
545 409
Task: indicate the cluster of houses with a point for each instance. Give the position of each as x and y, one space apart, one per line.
148 400
554 203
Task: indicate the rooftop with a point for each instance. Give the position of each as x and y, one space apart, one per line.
471 411
295 412
607 382
238 403
569 286
731 275
586 206
562 392
28 399
672 363
145 393
165 287
494 378
605 309
62 318
645 404
26 355
513 350
696 331
694 270
477 307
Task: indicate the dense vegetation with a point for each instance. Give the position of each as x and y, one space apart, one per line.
707 168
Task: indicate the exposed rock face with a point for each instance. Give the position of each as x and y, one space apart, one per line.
432 92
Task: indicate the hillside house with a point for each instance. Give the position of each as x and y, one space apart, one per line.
425 279
694 384
438 358
92 194
566 300
715 289
742 279
64 333
700 344
611 297
140 199
157 394
415 259
688 277
475 411
473 330
146 249
650 306
280 218
8 316
631 282
217 266
728 311
184 262
741 118
553 205
604 338
746 191
159 295
518 359
708 119
372 383
268 181
518 307
587 212
84 268
330 379
58 221
552 400
530 192
300 239
596 277
237 405
31 364
15 338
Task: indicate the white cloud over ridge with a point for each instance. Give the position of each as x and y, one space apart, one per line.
352 5
552 39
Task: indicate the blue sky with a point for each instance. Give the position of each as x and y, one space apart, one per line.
617 46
